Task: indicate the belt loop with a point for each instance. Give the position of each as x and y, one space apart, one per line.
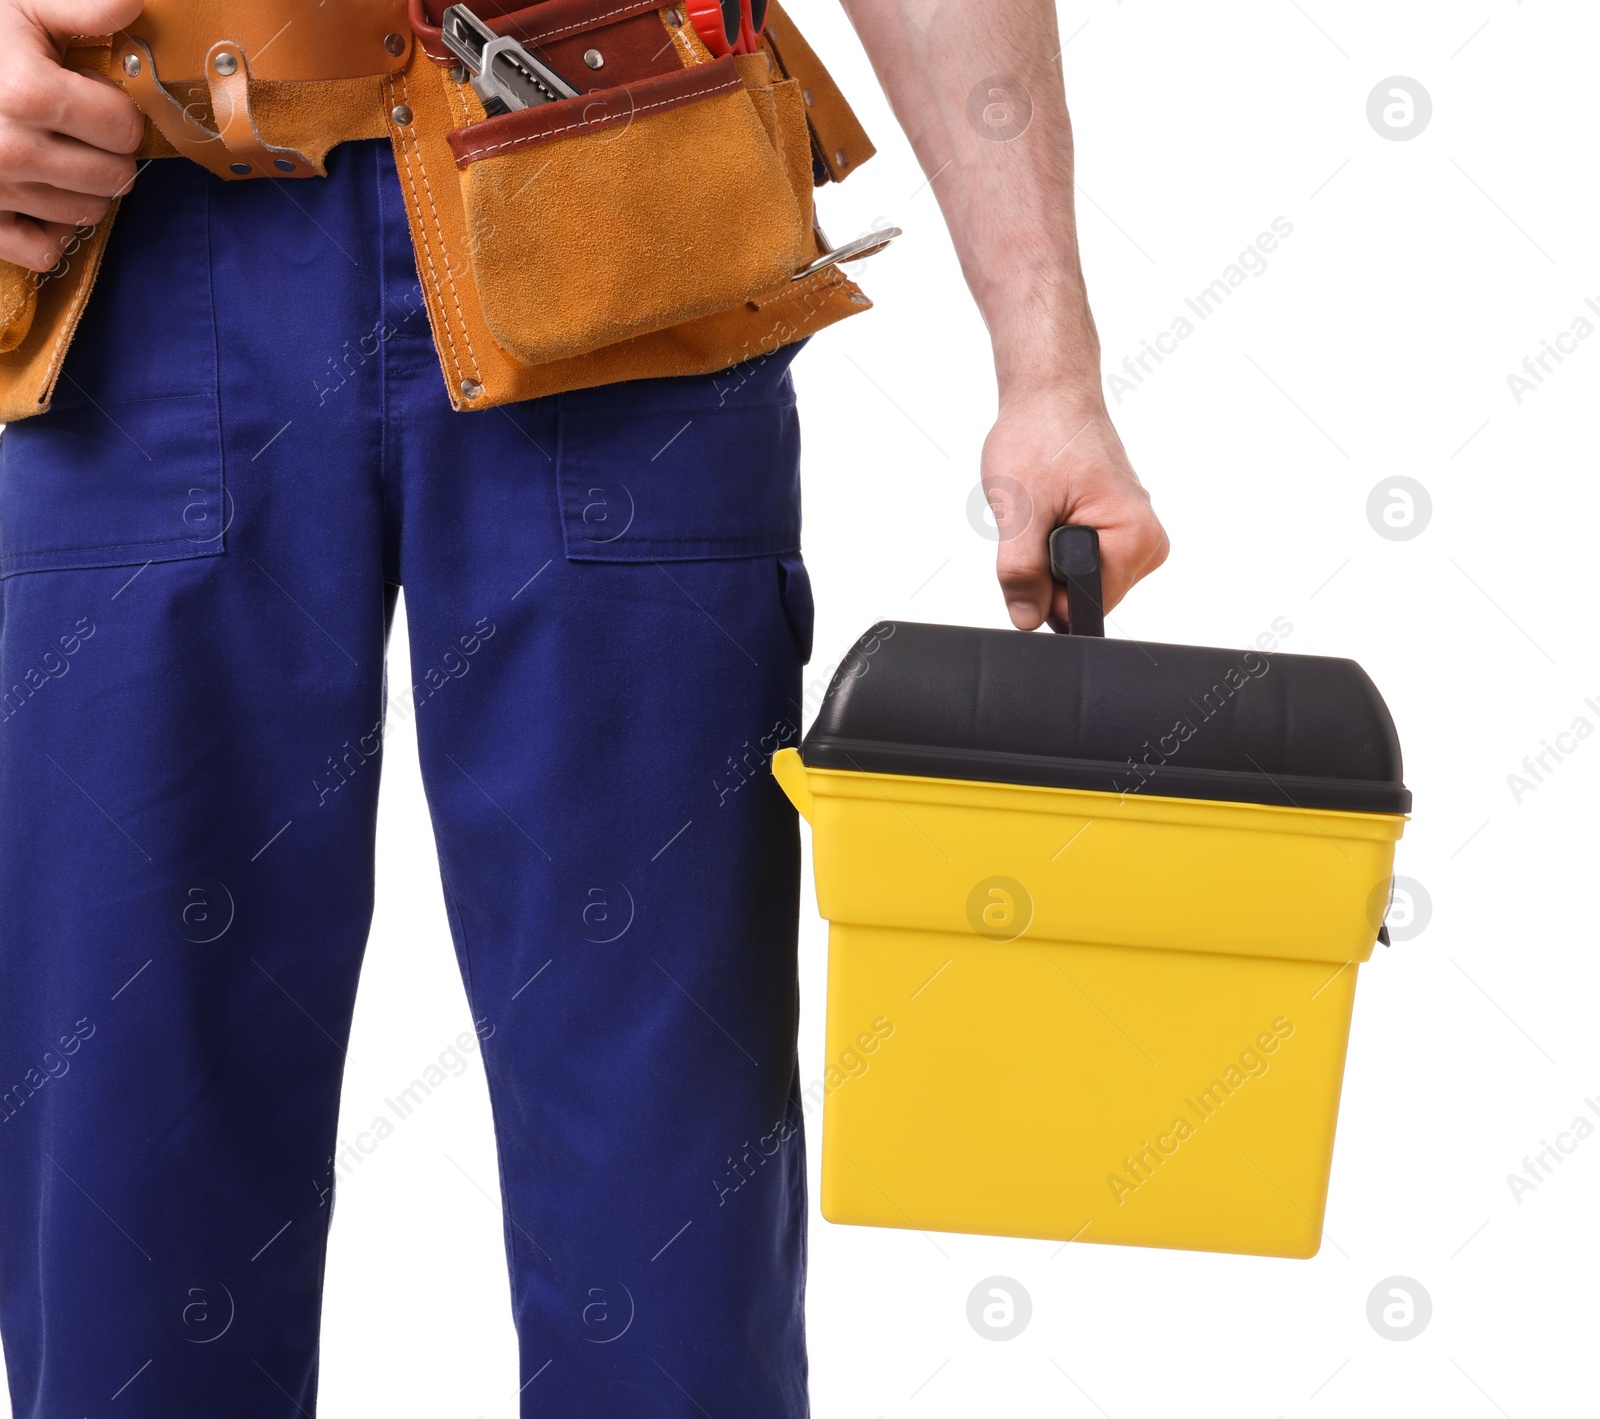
228 75
235 150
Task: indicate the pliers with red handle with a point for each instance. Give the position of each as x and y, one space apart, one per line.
729 26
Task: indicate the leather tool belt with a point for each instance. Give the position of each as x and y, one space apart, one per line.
561 246
226 43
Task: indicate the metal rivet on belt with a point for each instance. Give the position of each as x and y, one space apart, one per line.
395 44
594 58
809 97
842 158
675 17
458 73
858 299
131 65
471 389
227 64
401 114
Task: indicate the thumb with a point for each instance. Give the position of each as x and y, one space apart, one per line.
61 19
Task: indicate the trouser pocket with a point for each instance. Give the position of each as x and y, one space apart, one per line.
626 210
126 467
112 486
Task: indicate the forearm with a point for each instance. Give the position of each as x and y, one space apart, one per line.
977 86
1006 195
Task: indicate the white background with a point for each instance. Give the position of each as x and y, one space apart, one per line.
1377 343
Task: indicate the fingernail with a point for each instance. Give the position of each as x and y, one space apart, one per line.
1023 610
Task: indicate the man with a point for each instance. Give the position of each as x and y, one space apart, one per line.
190 736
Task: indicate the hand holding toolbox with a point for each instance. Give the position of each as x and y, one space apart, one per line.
1097 910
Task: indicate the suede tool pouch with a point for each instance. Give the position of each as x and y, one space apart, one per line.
19 298
625 210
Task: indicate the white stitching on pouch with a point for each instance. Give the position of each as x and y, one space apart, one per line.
397 90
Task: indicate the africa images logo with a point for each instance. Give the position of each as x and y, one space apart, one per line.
1139 1168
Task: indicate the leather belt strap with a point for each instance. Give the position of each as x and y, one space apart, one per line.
283 39
227 44
234 150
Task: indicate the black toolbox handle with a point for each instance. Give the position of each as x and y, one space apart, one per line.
1075 563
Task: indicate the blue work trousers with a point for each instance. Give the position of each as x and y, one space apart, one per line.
201 544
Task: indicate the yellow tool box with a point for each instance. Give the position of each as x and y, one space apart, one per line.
1097 910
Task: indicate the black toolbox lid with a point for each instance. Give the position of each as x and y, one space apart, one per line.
1114 716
